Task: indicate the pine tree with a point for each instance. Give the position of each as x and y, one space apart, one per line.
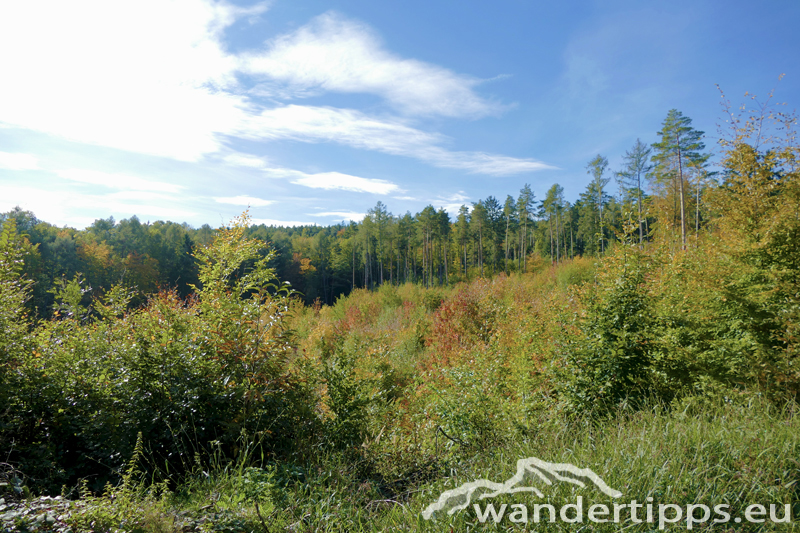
524 207
632 175
596 168
680 147
479 219
509 211
462 232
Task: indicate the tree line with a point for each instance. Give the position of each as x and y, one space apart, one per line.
663 182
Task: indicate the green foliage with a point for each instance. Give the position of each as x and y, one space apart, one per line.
611 359
181 373
114 302
432 300
577 272
14 292
68 297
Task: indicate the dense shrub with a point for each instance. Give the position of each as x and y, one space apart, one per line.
182 373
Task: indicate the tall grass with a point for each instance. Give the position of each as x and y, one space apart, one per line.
728 453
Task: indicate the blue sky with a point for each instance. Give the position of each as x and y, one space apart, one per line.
311 111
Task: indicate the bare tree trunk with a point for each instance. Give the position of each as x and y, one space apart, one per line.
506 267
558 250
683 200
697 212
446 273
639 204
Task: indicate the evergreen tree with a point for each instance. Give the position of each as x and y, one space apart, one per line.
632 175
479 220
509 214
462 233
596 168
524 207
679 149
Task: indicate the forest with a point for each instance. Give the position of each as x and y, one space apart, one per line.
429 248
159 377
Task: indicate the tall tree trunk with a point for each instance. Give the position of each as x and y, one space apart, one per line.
480 250
639 204
683 200
571 243
600 206
558 248
697 213
507 223
446 273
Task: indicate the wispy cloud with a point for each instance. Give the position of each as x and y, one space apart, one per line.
84 72
391 136
244 201
179 93
13 161
137 196
117 181
340 215
453 202
333 53
76 208
481 162
335 180
345 182
245 160
274 222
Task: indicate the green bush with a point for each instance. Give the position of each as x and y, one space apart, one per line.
181 373
612 356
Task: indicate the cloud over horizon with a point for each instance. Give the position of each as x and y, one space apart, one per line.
333 53
178 93
124 107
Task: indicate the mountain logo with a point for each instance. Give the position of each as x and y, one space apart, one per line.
529 471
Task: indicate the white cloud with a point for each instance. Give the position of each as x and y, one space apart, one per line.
140 210
332 53
481 162
391 136
245 160
452 203
79 209
117 181
13 161
244 201
346 126
345 182
137 196
335 180
155 77
148 76
340 215
285 223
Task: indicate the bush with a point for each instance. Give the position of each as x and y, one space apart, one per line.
612 358
181 373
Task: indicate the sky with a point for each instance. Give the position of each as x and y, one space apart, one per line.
310 112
